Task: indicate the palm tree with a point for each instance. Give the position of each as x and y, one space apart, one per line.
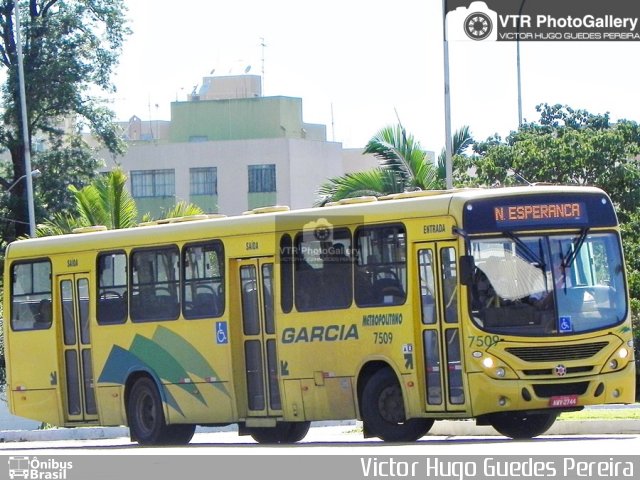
404 166
106 201
180 209
461 140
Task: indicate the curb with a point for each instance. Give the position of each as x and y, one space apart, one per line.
560 427
440 428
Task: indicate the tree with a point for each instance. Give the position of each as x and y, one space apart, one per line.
567 146
403 165
70 50
105 201
461 141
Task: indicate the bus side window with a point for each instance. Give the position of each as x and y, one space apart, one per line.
112 288
31 295
381 268
323 270
286 273
155 284
203 273
449 284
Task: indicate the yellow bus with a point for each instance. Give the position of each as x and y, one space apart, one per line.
506 305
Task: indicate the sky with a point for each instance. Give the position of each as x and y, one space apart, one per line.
360 65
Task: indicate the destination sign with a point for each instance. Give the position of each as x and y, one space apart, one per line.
531 214
544 211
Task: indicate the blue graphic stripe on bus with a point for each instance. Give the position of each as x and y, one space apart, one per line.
164 364
187 356
120 363
170 357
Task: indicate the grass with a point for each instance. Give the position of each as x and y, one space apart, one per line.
603 414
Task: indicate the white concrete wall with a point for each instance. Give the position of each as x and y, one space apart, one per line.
301 166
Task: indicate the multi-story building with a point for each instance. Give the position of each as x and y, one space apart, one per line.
228 149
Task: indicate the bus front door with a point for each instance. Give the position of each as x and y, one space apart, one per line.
438 301
259 338
73 303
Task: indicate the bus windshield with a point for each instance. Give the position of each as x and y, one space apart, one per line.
548 284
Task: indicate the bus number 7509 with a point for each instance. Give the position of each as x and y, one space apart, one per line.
480 341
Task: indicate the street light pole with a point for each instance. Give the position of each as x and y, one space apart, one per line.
518 65
25 127
34 173
448 147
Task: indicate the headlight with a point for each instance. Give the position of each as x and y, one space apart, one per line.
487 362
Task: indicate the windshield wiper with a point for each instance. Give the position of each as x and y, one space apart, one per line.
571 255
528 254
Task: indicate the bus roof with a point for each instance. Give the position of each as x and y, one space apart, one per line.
393 207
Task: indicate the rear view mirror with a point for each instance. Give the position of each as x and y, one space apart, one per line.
467 267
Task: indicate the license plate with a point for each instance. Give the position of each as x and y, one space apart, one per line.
564 401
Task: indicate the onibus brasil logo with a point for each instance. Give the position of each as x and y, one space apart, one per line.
36 469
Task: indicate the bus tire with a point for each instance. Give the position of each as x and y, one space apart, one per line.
179 434
383 410
145 413
283 432
520 425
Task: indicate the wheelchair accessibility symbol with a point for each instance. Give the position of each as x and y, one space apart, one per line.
565 325
221 333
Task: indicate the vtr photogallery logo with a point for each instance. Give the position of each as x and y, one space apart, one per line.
38 469
540 20
475 22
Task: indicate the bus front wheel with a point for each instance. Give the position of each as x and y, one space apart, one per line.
520 425
146 417
283 432
383 411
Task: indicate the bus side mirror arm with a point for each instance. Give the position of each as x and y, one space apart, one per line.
467 268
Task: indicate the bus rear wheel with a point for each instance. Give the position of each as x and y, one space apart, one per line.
383 411
520 426
146 417
283 432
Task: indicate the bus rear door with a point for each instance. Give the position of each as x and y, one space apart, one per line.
73 303
259 337
440 361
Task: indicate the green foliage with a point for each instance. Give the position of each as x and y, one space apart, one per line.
403 166
105 201
70 48
183 209
571 147
64 164
461 141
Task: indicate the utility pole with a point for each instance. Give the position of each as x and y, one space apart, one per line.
448 142
25 127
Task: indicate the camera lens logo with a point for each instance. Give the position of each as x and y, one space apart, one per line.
478 26
323 231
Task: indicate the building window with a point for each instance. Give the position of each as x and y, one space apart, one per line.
262 178
153 183
203 181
